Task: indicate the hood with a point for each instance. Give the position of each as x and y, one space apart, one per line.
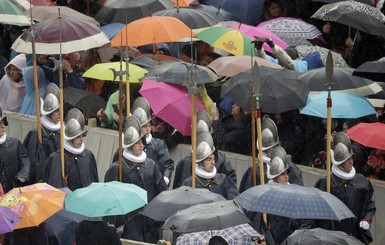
20 61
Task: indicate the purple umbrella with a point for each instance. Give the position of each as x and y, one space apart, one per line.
8 220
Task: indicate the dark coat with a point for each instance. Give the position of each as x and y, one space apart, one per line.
39 153
222 164
281 227
221 185
357 194
80 170
14 163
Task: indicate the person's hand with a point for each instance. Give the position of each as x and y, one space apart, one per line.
166 180
67 67
258 42
214 112
326 28
101 114
364 225
116 117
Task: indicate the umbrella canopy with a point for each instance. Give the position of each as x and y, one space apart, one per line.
253 31
209 216
374 70
321 237
342 80
217 12
170 103
293 31
91 201
338 60
151 60
235 235
348 5
26 4
293 201
280 90
227 39
126 11
89 103
345 105
8 220
151 30
69 33
369 134
33 203
180 73
11 14
40 13
193 18
103 71
112 29
169 202
232 65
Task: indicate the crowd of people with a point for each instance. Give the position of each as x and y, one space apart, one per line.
288 138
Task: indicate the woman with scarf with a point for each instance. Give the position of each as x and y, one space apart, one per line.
206 172
79 163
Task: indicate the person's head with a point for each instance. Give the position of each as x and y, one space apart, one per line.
207 59
190 52
50 102
269 136
141 110
272 9
54 116
3 122
132 134
236 111
217 240
204 48
138 147
14 73
279 165
73 59
74 128
14 67
341 152
261 240
205 157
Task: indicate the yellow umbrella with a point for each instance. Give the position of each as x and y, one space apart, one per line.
103 72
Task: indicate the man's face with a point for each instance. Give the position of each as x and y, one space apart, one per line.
2 128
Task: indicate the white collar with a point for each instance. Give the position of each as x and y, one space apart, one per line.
47 123
132 158
342 174
73 150
148 139
203 173
3 138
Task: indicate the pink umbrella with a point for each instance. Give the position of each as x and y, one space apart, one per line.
171 103
253 31
8 220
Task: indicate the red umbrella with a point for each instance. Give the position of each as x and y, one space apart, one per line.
43 3
369 134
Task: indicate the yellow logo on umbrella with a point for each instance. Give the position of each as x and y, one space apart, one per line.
230 46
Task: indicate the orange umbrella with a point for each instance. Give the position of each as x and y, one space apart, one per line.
34 203
151 30
182 3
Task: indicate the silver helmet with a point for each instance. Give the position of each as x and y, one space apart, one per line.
269 134
50 101
132 131
341 149
203 122
3 118
279 162
141 110
74 124
205 146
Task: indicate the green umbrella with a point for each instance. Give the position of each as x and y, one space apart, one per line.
105 199
11 14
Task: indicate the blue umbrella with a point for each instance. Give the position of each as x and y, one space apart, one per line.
293 201
112 29
345 105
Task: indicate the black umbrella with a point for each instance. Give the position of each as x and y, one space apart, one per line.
281 90
88 103
374 70
322 237
193 18
217 12
169 202
342 80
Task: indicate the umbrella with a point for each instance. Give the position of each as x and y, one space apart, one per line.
67 34
322 237
151 30
33 203
11 14
348 5
293 31
87 102
182 3
236 235
338 60
126 11
369 134
342 80
209 216
8 220
231 65
112 29
105 199
359 20
40 13
26 4
103 72
280 90
169 202
253 31
170 103
227 39
374 70
247 11
293 201
345 105
193 18
217 12
180 73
